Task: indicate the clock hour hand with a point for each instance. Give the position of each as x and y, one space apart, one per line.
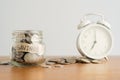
94 40
93 44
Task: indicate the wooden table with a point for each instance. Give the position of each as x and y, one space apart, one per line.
105 71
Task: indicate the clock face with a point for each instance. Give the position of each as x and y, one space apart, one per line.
94 41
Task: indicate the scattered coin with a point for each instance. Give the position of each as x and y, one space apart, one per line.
71 60
96 61
78 59
59 66
57 60
65 63
4 63
85 60
61 61
50 63
46 66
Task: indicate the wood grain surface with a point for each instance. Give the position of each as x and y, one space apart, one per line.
105 71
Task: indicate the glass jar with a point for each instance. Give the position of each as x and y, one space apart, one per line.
27 48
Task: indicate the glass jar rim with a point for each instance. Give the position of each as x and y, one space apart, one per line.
27 31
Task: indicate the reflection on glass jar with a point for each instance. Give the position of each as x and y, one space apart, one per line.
27 48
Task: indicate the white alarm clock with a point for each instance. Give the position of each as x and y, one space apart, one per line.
94 40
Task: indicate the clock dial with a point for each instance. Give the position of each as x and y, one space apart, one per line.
94 41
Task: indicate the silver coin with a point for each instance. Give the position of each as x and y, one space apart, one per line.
50 63
58 66
57 60
85 60
31 58
65 63
4 63
19 60
53 60
19 54
61 61
96 61
71 60
46 66
78 59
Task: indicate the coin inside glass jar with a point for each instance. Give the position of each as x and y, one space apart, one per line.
27 47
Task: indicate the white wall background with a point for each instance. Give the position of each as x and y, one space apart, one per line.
58 19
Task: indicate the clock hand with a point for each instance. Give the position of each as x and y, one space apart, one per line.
94 40
93 44
95 35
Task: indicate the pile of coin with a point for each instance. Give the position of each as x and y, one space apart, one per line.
61 61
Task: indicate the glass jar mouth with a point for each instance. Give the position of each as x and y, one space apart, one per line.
18 32
27 31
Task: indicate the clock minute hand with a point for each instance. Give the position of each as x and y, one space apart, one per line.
95 36
94 40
